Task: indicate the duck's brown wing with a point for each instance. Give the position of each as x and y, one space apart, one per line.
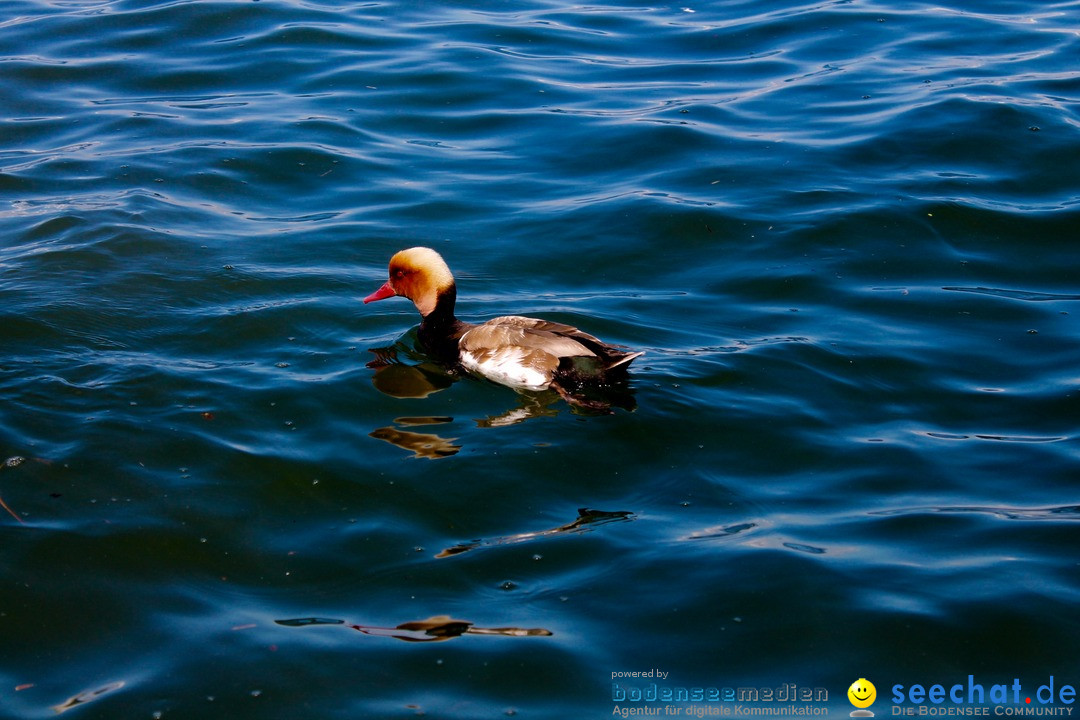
527 352
554 339
519 352
607 356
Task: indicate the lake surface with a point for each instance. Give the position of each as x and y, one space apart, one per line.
846 234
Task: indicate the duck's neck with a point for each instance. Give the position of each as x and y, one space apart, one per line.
440 330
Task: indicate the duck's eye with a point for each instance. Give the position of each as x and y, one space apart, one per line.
399 273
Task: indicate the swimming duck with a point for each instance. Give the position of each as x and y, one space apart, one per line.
520 352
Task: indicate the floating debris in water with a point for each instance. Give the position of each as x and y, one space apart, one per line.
87 696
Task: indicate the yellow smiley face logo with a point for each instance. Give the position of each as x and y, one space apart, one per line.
862 693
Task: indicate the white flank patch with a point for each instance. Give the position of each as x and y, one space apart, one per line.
506 366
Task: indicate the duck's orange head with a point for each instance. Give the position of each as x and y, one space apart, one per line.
419 274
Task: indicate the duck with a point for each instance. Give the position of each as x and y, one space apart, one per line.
527 354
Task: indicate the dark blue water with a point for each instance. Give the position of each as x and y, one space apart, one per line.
844 232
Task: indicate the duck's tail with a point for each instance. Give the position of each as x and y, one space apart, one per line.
622 360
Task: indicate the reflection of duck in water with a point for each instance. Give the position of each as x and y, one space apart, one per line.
422 445
434 629
520 352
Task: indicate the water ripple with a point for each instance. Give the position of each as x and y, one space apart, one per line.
1066 512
